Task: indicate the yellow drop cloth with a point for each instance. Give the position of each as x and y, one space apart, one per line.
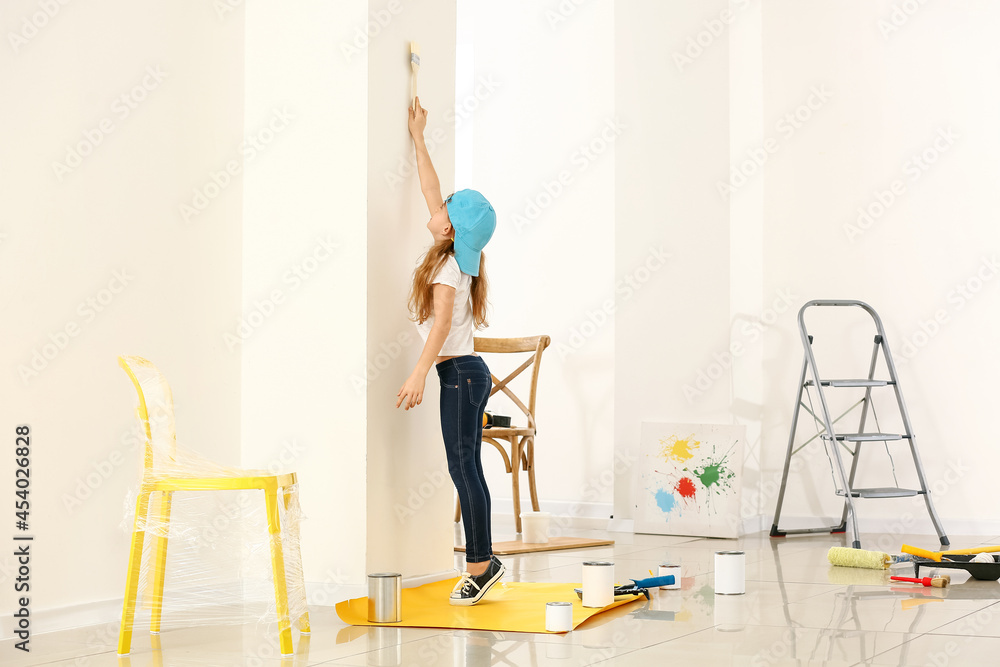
508 607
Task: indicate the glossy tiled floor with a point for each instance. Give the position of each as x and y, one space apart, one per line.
797 611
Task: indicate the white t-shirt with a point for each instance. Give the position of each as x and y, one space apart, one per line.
459 340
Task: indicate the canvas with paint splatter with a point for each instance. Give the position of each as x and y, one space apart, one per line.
689 479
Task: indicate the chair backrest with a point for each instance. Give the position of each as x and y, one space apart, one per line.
155 410
534 344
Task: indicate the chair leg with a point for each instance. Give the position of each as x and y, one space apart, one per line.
278 569
132 578
160 561
458 510
515 470
531 472
292 498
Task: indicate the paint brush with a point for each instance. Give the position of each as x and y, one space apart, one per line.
415 67
937 582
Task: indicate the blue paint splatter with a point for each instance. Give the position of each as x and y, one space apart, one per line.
665 501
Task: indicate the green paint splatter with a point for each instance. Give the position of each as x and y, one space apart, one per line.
710 474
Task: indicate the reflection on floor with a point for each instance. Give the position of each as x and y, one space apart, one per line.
797 611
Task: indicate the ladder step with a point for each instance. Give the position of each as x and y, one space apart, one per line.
867 437
851 383
883 492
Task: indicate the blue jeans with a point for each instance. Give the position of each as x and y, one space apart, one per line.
465 387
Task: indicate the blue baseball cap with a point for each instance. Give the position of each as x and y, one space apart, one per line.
473 220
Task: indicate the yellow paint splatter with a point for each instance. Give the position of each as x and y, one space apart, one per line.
677 449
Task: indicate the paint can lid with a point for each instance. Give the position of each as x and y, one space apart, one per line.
558 604
384 575
669 565
729 553
592 563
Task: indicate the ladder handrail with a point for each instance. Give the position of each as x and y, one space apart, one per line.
889 363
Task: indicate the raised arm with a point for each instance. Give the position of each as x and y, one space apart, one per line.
429 183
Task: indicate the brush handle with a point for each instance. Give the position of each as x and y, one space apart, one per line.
926 581
655 582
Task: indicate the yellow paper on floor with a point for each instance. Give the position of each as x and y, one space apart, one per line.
509 607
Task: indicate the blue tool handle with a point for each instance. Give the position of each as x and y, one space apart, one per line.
655 582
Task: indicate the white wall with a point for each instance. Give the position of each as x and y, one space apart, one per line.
544 90
409 492
63 241
304 273
671 329
896 83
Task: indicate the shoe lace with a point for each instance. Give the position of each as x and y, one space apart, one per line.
465 584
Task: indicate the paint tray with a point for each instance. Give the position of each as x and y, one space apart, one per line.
980 571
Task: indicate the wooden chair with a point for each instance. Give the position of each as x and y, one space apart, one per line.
161 478
521 439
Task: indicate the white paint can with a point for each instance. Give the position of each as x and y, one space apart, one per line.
667 569
598 583
558 616
730 573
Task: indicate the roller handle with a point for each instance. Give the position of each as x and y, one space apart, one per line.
936 555
923 553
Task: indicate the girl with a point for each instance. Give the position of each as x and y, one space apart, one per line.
448 301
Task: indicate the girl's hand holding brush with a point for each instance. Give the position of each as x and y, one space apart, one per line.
418 121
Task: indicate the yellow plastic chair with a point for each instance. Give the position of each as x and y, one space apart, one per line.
155 481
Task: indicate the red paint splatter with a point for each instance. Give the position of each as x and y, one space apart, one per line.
685 487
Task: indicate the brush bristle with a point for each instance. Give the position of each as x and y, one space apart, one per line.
939 582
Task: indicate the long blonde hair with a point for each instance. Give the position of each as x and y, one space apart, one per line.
421 299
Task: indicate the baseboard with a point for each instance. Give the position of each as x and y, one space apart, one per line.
621 525
920 525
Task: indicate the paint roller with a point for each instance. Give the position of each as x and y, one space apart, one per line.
937 555
871 560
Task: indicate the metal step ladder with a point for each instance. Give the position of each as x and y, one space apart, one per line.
835 441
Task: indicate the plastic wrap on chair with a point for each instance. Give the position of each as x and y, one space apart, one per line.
220 551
